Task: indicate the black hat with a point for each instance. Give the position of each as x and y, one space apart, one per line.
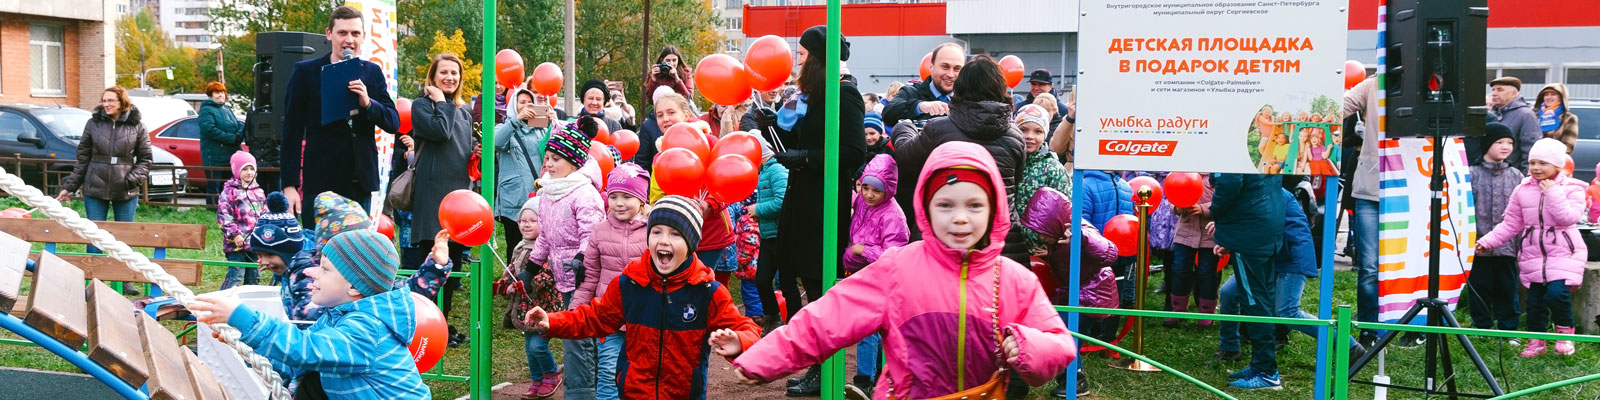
595 84
1496 131
815 40
1041 75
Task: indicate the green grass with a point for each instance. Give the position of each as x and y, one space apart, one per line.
1187 348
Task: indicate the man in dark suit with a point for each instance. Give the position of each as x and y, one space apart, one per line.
341 157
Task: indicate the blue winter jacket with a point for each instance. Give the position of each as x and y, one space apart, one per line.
1248 213
358 348
770 188
1107 196
1298 254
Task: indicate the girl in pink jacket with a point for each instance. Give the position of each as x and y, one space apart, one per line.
1544 211
951 310
615 243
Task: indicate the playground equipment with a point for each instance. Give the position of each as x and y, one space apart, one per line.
126 350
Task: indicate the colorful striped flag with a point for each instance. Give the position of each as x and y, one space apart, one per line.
1403 231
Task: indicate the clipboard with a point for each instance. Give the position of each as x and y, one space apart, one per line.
338 103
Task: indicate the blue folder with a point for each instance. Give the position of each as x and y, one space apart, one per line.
338 103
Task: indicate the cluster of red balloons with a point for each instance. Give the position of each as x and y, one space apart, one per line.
1182 189
428 342
726 81
467 217
731 176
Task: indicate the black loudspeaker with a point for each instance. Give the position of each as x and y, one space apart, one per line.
276 53
1435 67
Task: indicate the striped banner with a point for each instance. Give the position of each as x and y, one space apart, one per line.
1405 170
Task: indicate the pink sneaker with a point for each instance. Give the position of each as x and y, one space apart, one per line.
1565 347
534 391
551 382
1535 348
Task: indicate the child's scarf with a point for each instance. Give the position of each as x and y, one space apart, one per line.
558 188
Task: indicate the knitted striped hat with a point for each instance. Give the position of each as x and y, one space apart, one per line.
681 213
365 258
570 144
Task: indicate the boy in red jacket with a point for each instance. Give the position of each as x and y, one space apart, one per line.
668 300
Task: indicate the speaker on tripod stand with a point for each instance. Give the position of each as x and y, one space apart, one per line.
276 53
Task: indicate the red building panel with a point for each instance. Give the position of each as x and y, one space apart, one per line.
858 19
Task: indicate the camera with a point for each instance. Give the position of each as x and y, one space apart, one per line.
664 71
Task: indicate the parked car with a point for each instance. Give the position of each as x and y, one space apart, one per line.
52 132
1587 154
157 111
182 138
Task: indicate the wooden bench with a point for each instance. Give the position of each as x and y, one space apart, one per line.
138 234
121 339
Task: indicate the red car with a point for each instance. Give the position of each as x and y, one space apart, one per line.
182 139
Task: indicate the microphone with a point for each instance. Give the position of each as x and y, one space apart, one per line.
349 55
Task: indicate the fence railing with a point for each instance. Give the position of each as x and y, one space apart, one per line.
167 184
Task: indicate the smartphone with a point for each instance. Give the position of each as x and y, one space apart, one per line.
541 118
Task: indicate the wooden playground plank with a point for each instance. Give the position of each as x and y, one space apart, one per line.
13 263
205 382
56 304
111 270
114 335
169 374
138 234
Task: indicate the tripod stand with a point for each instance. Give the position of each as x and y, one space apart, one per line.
1437 348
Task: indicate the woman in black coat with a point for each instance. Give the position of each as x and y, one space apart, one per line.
442 130
800 221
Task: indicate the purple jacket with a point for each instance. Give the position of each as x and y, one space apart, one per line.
876 228
1047 215
611 247
1546 221
237 211
566 223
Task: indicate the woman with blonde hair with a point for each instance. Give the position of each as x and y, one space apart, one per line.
441 128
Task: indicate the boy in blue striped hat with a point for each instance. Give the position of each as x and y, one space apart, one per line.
357 348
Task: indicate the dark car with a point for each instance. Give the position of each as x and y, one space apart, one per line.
1587 154
51 132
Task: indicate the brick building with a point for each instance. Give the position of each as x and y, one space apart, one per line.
57 52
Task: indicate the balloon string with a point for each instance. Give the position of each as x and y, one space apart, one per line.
505 270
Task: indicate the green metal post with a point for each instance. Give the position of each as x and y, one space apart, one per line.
1341 354
833 368
482 357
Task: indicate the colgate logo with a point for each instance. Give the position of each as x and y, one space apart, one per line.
1137 147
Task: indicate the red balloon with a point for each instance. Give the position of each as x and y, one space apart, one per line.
547 79
731 178
1183 189
679 171
602 133
1566 169
467 217
1041 268
15 212
385 225
687 137
1012 68
429 339
1594 193
403 106
602 157
1155 190
783 307
740 143
627 143
508 68
770 62
1354 73
926 68
722 79
1123 230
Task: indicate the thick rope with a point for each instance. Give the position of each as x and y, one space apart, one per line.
87 229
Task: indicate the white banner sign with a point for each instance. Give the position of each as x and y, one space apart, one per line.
382 48
1403 210
1210 87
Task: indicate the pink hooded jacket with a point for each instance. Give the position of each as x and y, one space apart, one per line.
1551 248
612 246
915 302
876 228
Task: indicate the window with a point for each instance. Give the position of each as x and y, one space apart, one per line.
734 23
1531 75
14 125
186 129
47 60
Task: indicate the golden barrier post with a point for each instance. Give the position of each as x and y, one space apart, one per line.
1143 266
